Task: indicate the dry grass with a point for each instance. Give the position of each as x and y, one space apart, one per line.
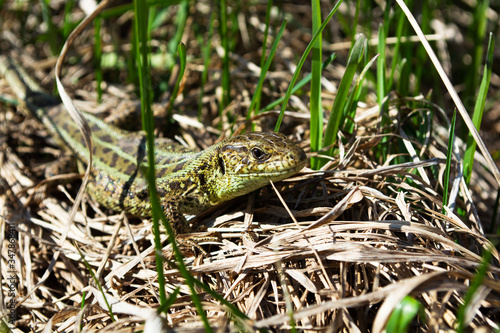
340 247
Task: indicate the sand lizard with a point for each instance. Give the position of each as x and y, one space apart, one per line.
188 182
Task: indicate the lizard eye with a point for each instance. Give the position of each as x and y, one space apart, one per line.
258 153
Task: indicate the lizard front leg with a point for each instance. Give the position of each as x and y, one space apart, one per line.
171 207
182 231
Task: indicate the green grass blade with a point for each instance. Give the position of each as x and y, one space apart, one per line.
131 63
449 156
387 21
316 109
301 63
421 59
180 18
84 294
142 59
148 126
355 22
337 114
235 26
403 315
352 103
97 283
156 210
475 283
381 67
264 71
477 32
225 58
53 35
158 16
181 49
170 300
299 85
264 42
206 63
141 27
120 10
98 56
396 59
68 24
479 110
232 308
403 85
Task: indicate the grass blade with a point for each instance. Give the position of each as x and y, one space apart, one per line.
180 18
475 285
337 115
121 9
67 24
142 59
449 155
355 22
181 49
225 58
381 68
477 32
264 44
53 35
316 108
206 63
97 283
264 71
478 111
396 59
299 85
148 126
301 63
98 56
354 97
421 68
170 300
403 315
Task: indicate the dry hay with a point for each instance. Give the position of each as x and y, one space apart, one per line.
365 235
341 248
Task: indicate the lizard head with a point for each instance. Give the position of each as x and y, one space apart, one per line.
247 162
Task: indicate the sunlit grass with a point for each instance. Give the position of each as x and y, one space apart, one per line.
479 110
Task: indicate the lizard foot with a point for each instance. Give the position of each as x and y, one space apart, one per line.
191 242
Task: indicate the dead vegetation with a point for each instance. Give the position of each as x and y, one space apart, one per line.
340 247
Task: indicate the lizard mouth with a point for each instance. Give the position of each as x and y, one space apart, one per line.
264 174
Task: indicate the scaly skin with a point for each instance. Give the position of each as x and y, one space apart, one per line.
188 182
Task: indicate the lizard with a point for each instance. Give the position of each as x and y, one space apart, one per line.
188 182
